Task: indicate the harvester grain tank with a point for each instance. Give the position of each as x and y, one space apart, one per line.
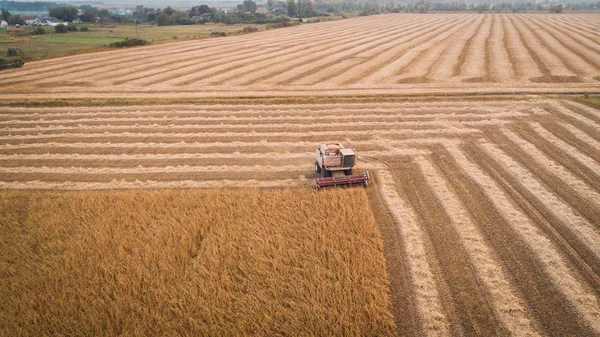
334 164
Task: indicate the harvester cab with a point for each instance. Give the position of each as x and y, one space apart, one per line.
334 164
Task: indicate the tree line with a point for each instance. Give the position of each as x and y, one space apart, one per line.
278 11
34 6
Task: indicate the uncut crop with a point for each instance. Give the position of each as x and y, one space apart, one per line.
244 262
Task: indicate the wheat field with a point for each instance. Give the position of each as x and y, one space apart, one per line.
485 189
190 263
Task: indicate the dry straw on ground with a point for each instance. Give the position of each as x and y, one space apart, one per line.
189 262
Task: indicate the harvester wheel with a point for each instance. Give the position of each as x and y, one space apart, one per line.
325 174
317 167
348 172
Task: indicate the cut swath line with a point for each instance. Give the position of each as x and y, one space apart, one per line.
324 75
251 127
566 160
235 120
550 300
566 232
583 110
424 55
305 56
558 170
220 108
154 169
510 308
581 135
567 41
434 321
463 54
462 295
564 51
568 222
194 155
585 125
261 112
348 73
566 148
123 184
251 133
557 185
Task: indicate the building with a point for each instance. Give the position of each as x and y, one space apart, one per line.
53 22
3 24
33 22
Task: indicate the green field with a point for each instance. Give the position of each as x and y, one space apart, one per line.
100 36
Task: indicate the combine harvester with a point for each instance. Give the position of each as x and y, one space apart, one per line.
334 165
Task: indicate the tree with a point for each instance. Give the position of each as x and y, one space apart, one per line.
5 15
556 9
162 19
88 16
61 28
270 4
292 9
39 31
64 13
309 8
199 10
169 11
249 6
16 20
204 9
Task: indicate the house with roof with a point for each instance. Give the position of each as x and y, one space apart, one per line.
124 12
33 22
53 22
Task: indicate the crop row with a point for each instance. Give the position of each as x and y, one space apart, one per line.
387 51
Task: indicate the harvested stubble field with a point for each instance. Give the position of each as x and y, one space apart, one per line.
385 53
488 208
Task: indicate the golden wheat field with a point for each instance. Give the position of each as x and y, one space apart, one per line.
190 263
485 192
